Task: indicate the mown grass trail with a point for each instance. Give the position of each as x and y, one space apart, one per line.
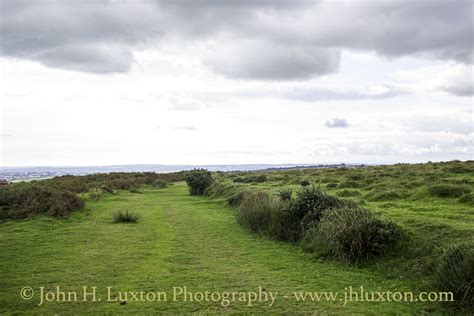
180 241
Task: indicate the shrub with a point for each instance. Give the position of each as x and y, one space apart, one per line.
285 194
198 180
256 209
64 202
134 189
237 198
455 273
106 189
95 194
352 234
309 200
448 190
126 217
159 184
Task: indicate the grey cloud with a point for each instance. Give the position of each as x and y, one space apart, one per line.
284 40
337 123
270 61
461 85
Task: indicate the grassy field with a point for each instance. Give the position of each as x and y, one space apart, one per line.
433 202
195 242
180 241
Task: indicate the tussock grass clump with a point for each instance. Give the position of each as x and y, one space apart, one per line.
309 205
387 195
256 210
448 190
125 216
331 185
237 198
348 193
352 234
455 274
251 179
349 184
285 194
304 183
467 198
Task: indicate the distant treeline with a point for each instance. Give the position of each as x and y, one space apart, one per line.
60 195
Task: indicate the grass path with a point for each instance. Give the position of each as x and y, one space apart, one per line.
180 241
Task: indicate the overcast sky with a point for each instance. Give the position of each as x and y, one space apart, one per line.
220 82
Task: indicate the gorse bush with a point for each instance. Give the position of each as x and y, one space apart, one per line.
448 190
352 234
125 216
29 199
255 211
455 273
58 196
159 184
198 180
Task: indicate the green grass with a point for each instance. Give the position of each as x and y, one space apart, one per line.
179 241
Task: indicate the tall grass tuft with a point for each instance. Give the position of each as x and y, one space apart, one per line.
352 234
255 211
125 216
455 273
285 194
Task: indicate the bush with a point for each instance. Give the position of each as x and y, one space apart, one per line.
256 210
309 205
126 217
64 202
285 194
237 198
198 180
448 190
352 234
159 184
455 273
106 189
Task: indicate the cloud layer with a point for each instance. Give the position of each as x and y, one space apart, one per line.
263 40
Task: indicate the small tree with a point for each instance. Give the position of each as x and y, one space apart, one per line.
198 180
